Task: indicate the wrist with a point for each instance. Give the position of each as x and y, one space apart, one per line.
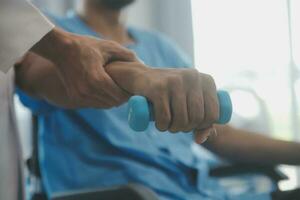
131 76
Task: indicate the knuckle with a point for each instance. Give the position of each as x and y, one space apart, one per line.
161 86
152 95
99 82
191 73
209 80
158 89
94 77
131 54
82 92
100 79
211 117
175 81
110 43
189 76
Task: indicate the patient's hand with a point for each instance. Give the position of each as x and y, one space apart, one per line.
183 99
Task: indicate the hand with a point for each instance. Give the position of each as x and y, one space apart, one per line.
183 99
39 78
80 64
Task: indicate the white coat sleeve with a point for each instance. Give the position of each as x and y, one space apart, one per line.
21 27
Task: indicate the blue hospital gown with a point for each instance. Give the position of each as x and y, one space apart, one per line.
92 148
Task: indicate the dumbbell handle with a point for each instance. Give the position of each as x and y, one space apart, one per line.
140 111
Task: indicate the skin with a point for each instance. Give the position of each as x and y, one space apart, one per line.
161 86
183 99
105 21
179 103
80 63
233 144
252 148
177 107
113 4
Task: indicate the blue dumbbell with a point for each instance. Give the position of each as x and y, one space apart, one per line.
140 112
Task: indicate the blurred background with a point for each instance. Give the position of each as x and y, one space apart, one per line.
251 47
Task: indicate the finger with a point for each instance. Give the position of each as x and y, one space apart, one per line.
113 51
196 111
214 132
83 95
162 112
108 91
201 136
211 105
179 112
112 89
211 112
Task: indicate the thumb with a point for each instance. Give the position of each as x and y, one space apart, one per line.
201 136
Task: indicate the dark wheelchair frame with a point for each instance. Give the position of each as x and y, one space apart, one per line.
137 191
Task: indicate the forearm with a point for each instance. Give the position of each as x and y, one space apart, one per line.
39 79
247 147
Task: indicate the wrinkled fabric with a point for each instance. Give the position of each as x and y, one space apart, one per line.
92 148
21 26
11 177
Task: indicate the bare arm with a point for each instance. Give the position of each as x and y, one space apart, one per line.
42 82
80 62
168 89
247 147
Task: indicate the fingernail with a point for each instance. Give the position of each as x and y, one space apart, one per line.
205 139
201 141
214 132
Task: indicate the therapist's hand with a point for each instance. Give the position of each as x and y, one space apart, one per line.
39 78
80 63
184 99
